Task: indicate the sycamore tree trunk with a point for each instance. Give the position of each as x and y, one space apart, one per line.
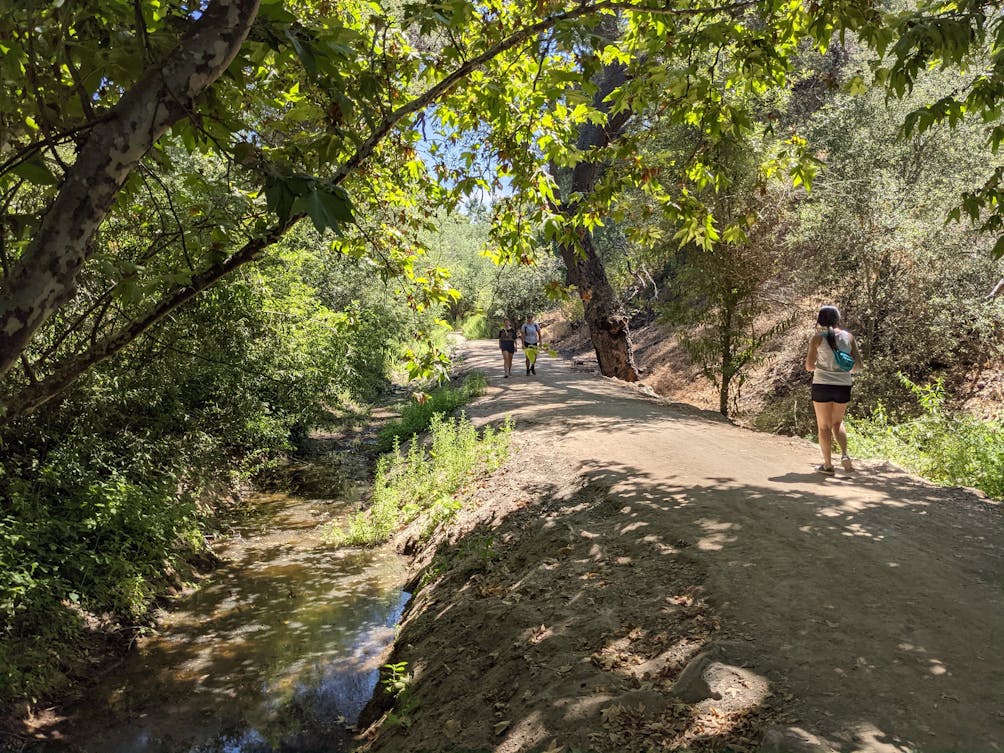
605 317
608 325
45 277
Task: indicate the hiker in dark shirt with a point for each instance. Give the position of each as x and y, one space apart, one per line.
507 344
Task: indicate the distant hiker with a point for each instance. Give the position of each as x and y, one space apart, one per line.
530 334
507 344
833 358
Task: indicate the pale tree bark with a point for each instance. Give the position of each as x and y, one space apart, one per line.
45 276
605 317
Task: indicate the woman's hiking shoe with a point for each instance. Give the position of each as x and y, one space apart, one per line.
533 369
827 469
846 464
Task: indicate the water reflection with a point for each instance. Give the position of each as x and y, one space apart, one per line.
276 654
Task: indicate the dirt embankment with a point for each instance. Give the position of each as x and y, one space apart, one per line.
774 395
645 576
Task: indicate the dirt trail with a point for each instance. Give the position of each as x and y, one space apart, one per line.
644 576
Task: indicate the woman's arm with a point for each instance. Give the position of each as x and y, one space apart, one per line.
858 363
810 357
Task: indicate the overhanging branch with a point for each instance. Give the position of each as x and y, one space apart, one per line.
513 40
32 397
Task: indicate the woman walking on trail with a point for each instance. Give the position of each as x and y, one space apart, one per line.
507 344
530 334
833 358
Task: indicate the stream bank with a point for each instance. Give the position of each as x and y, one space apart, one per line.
538 623
278 648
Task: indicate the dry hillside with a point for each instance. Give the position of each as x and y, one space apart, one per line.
775 395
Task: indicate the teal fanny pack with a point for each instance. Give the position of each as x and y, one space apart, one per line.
844 361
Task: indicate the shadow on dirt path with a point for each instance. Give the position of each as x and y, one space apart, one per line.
643 576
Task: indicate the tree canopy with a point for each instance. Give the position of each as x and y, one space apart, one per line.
215 131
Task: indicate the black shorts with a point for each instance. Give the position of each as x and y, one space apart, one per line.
508 347
831 393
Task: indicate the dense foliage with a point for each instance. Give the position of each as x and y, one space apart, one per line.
942 445
108 491
417 415
875 236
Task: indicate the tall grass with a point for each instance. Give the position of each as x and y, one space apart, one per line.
425 479
478 327
946 447
417 416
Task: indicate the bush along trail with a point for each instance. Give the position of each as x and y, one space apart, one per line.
643 576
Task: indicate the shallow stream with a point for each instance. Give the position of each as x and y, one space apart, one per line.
278 649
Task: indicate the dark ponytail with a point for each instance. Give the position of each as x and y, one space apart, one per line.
829 316
831 339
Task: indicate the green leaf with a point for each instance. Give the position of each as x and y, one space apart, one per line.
279 199
326 209
856 86
245 153
128 291
36 171
999 248
273 11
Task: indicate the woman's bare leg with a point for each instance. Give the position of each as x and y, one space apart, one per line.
825 430
836 415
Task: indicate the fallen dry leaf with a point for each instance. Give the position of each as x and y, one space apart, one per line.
611 712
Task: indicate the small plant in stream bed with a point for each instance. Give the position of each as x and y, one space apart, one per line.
396 683
396 678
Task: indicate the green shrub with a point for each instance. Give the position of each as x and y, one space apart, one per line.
91 523
105 492
946 447
417 416
424 480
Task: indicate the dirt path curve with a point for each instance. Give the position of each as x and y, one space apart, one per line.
871 603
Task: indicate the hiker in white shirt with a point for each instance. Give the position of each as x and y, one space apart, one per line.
529 333
833 359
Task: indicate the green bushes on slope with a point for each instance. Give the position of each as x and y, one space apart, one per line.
943 446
